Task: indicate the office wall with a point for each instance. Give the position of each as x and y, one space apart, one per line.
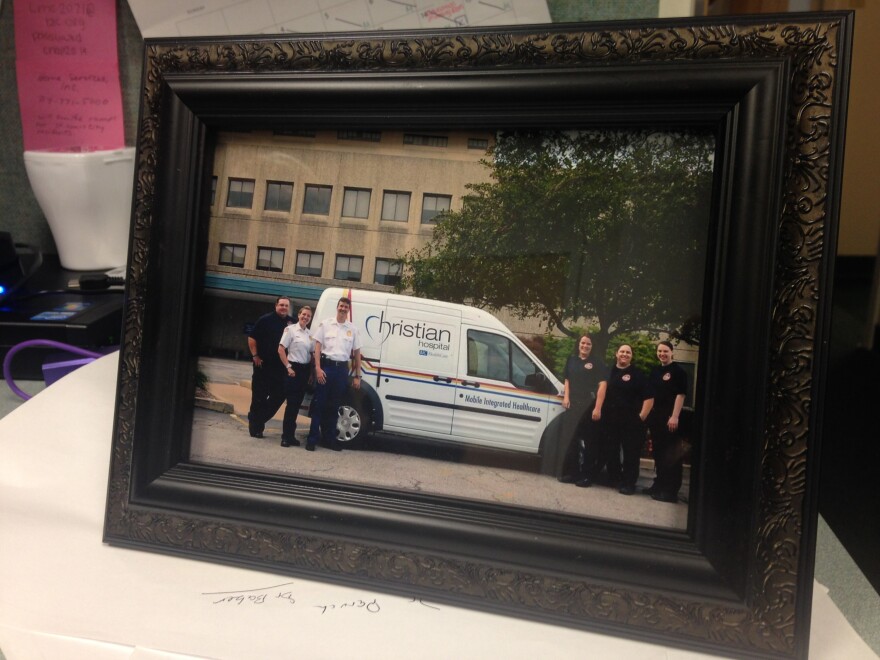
19 212
860 211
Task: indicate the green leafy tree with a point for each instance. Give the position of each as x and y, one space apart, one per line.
604 225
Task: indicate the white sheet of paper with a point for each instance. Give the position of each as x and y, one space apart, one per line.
67 594
198 18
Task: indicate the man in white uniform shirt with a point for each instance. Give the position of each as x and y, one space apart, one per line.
336 340
295 352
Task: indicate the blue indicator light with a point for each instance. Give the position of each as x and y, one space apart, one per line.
2 289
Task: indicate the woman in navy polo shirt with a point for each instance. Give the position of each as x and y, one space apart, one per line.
669 384
628 401
584 387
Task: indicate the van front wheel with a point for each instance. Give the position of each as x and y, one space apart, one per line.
352 425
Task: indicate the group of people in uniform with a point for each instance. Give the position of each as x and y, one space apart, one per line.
609 413
287 356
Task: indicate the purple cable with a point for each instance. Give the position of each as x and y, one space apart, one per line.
33 343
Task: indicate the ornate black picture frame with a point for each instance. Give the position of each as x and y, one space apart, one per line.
738 581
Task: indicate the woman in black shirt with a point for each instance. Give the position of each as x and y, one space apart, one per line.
669 384
584 386
628 400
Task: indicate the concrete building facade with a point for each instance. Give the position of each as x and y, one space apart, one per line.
332 207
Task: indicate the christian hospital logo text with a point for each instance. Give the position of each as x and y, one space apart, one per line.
429 337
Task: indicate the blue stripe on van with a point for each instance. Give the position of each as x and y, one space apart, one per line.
428 380
482 411
553 400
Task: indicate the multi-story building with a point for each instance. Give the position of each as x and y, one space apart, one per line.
294 213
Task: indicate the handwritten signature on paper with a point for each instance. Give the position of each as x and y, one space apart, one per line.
283 594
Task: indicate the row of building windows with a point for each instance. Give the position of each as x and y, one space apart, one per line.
419 139
348 267
316 200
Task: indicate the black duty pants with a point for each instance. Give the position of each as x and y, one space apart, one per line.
295 392
626 433
267 395
667 456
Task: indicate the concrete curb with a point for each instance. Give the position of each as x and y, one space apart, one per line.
215 405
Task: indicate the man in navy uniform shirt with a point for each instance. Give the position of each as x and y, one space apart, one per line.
267 382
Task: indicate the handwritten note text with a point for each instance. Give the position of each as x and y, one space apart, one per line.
68 75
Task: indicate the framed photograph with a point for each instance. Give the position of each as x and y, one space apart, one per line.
472 204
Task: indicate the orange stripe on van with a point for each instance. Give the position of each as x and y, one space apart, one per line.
483 386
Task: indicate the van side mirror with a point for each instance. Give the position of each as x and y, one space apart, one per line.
538 382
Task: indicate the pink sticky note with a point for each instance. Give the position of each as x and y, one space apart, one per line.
68 75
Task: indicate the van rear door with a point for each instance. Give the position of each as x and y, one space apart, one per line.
419 362
496 403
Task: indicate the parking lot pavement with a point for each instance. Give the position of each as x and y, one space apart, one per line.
221 370
476 474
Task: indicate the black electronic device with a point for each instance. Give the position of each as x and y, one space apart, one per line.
38 302
15 267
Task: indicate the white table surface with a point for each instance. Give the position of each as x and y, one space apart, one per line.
65 594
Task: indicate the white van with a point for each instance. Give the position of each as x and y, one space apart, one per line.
448 372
